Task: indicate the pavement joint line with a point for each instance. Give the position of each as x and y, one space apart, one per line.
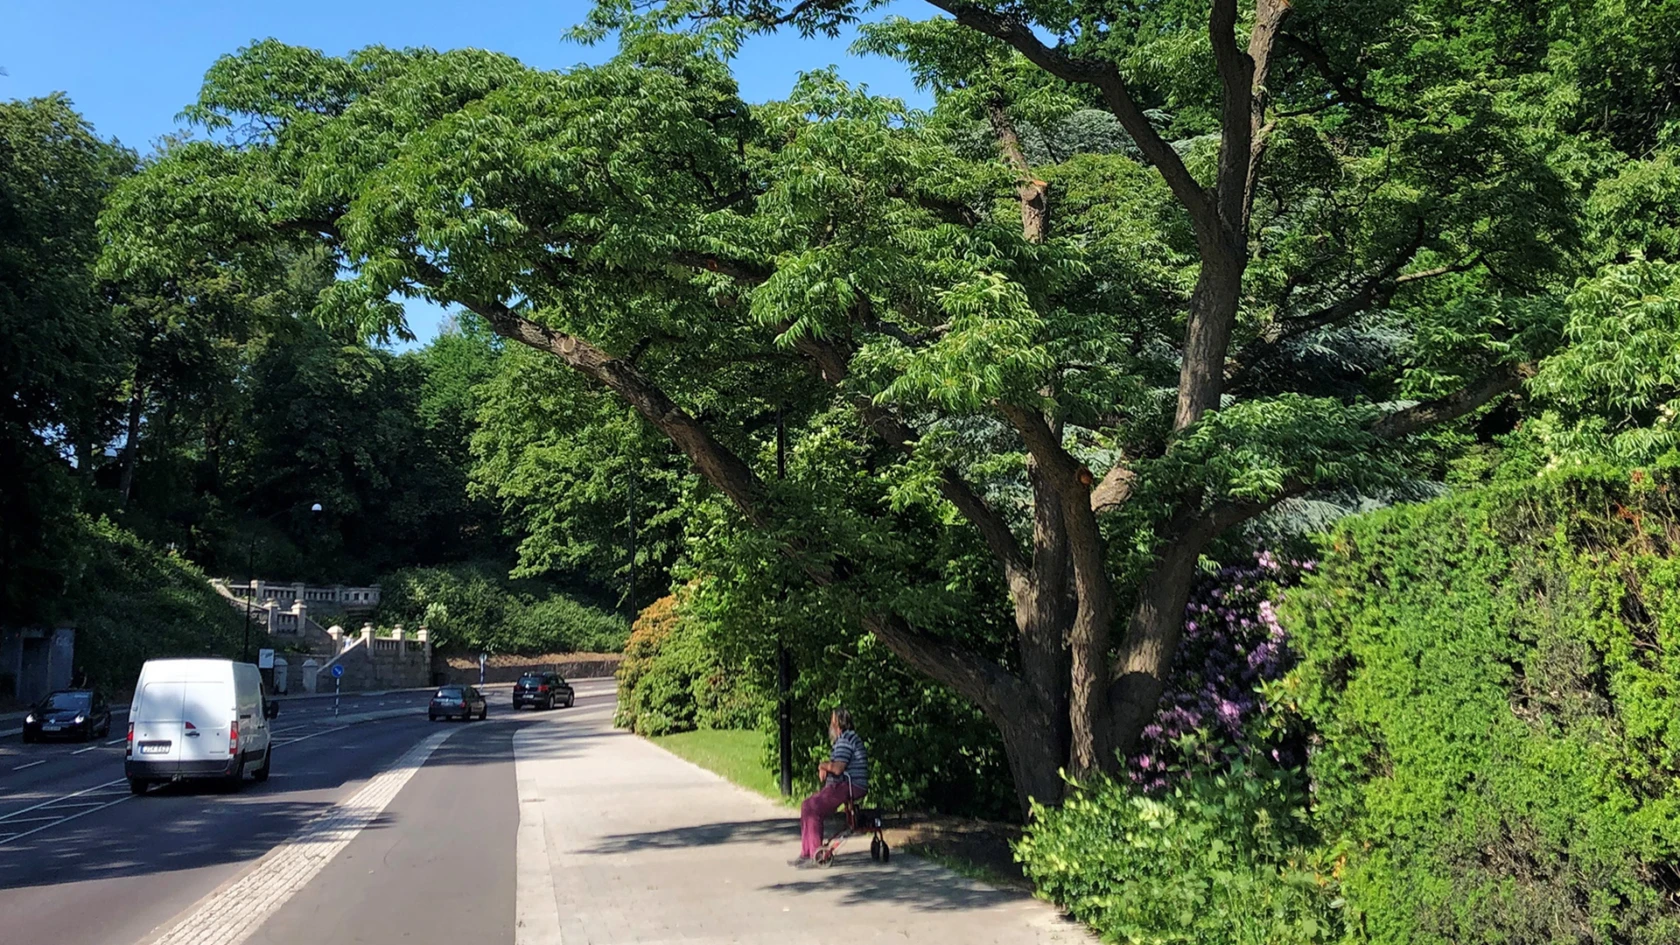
287 869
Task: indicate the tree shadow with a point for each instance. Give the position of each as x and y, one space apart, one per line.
906 880
770 830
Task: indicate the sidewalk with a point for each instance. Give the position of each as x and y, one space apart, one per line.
620 842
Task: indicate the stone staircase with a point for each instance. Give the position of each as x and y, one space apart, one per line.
371 659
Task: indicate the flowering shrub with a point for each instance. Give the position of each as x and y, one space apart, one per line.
1232 645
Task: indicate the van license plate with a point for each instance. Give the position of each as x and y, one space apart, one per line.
156 748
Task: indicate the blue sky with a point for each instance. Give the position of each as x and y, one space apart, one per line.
131 66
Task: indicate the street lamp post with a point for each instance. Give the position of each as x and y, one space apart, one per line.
251 590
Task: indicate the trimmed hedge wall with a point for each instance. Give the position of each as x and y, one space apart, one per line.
1494 683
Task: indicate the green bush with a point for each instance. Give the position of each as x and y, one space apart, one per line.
672 680
559 624
132 603
472 607
1225 855
1494 680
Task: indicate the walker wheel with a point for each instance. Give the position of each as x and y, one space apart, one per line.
824 857
875 849
885 851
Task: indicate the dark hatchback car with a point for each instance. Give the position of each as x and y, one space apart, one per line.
542 691
458 702
68 713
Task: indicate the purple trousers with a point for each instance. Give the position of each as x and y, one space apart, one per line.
812 812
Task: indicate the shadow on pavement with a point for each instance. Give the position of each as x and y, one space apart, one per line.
911 882
774 830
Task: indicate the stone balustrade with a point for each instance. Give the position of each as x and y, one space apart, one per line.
338 596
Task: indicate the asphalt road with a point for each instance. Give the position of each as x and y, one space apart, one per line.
88 864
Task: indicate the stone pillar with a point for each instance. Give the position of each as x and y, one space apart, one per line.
268 615
310 669
402 645
281 682
367 635
253 589
337 633
302 611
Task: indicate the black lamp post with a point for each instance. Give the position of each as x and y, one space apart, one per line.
250 589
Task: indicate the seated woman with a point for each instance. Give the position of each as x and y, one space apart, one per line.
845 778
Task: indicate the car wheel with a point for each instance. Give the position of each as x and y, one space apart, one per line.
571 701
430 717
137 785
261 774
29 737
483 713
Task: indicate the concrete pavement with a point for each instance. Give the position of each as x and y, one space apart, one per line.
621 842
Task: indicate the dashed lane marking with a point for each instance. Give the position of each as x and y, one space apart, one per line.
232 913
30 765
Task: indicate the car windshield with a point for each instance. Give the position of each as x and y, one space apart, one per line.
61 701
449 692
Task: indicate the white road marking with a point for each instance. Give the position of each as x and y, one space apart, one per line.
30 765
231 914
60 820
536 913
83 751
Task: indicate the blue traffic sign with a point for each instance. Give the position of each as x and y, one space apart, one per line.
338 671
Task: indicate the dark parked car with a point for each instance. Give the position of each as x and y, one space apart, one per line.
68 713
542 691
458 702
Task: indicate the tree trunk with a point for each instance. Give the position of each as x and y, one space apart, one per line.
1207 337
131 446
1035 763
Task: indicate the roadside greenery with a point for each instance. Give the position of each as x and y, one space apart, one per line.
473 608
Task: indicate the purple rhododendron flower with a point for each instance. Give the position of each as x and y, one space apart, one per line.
1232 646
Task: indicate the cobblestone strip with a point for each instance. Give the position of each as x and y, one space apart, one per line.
536 913
232 913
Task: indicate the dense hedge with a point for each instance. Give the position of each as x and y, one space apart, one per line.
131 602
473 607
671 679
1494 680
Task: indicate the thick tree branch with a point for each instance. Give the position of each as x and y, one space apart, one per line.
1105 78
1035 207
1466 400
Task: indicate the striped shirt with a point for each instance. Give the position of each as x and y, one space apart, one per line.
849 750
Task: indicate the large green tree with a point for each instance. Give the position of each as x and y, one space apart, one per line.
1076 346
55 323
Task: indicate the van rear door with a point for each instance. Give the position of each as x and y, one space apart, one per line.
157 720
206 710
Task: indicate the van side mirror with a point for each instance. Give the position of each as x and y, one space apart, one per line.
271 710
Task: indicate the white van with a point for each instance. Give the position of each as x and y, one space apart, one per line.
198 719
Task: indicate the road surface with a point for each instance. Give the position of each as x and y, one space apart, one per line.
528 829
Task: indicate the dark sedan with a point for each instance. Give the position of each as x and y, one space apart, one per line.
542 691
458 702
68 713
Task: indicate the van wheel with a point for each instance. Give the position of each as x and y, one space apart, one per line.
261 774
236 780
137 785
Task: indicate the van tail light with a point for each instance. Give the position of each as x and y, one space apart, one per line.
233 737
128 749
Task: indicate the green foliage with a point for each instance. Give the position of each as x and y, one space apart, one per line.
1614 393
54 361
130 603
672 679
473 608
1494 683
1226 855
